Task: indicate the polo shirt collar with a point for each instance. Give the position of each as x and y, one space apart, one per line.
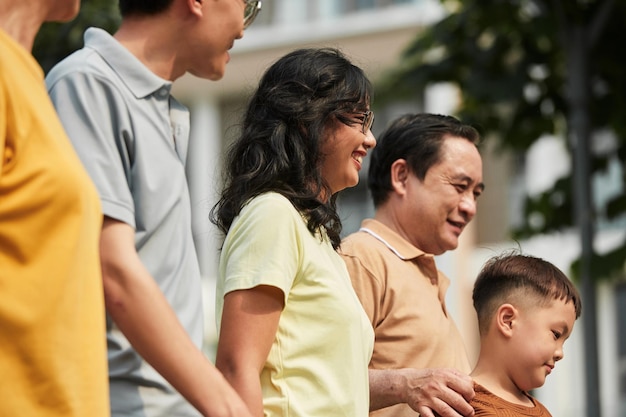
138 78
407 252
396 243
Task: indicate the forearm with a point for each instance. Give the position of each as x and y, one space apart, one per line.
141 311
387 388
247 385
144 316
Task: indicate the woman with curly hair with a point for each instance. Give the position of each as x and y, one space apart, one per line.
293 337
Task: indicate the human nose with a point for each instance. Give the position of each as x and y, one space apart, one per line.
558 353
468 205
370 140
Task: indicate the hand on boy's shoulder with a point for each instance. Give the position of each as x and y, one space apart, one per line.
442 392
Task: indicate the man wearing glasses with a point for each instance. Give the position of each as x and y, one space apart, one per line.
113 98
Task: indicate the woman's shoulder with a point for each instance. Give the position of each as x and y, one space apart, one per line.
270 200
271 205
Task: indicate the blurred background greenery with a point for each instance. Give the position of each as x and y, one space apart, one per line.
57 40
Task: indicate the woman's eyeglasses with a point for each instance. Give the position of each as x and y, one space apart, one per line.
253 7
368 121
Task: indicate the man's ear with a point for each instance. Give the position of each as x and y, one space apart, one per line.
399 175
195 6
506 318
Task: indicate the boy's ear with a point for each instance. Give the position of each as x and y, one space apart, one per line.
506 317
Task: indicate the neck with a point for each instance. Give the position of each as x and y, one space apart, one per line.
386 215
146 39
488 373
21 20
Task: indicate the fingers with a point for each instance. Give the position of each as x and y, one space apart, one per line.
441 392
462 384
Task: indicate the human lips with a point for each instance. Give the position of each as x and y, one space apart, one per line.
358 157
458 225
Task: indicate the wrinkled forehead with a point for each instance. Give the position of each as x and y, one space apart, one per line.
460 156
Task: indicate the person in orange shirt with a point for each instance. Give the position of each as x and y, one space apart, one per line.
425 177
526 311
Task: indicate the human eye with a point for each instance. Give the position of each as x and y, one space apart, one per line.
557 335
460 187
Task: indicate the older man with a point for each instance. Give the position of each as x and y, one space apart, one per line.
425 177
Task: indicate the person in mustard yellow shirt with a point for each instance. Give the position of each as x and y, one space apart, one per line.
52 320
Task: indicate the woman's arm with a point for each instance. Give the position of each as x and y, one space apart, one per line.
248 329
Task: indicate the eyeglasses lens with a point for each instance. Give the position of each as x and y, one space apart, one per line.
250 12
368 120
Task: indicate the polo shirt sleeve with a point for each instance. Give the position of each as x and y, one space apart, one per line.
97 122
263 246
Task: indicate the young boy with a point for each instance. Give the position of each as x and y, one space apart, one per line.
526 310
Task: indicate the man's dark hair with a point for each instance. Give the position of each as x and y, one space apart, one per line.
143 7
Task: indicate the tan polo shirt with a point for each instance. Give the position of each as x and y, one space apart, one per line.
403 295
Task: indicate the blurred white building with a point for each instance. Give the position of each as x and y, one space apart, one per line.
372 33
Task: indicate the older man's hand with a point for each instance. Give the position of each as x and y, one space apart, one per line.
433 392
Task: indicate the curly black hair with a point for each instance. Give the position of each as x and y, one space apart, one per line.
283 128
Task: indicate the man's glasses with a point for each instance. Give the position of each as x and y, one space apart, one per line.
368 121
253 7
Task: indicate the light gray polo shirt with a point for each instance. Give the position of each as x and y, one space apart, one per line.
132 137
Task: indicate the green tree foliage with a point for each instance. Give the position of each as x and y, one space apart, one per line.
57 40
514 61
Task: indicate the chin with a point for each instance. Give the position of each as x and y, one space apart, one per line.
212 73
215 74
452 245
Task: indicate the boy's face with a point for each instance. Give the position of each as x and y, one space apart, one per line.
538 337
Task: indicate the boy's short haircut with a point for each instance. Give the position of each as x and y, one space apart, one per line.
515 278
143 7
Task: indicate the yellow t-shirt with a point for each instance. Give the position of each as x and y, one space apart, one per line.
52 321
317 365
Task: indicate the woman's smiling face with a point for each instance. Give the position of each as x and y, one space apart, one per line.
344 148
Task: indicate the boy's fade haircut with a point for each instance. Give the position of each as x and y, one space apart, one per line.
512 277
